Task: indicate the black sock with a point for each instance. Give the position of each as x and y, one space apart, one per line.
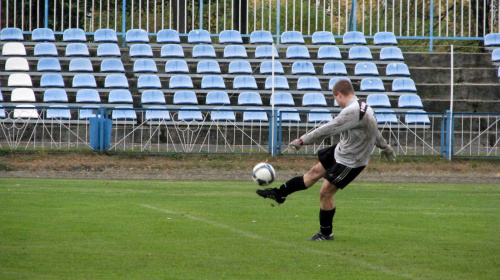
326 221
293 185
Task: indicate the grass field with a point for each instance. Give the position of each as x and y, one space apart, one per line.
85 229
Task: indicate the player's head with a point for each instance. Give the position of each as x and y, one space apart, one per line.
343 92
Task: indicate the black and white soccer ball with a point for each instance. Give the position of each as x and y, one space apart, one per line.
263 174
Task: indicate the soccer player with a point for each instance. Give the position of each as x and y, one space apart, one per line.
340 163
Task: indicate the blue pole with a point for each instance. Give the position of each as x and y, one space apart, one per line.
124 20
46 23
352 17
278 24
431 27
201 14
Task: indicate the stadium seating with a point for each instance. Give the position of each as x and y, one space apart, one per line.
58 112
149 82
84 81
43 35
282 99
417 117
74 35
17 64
140 50
105 36
120 96
112 65
360 53
217 98
384 38
199 36
185 97
495 55
12 34
323 37
153 96
116 81
239 67
492 40
315 99
222 114
371 84
386 116
22 95
255 115
123 114
203 51
329 52
297 52
172 50
189 114
279 83
292 37
244 82
170 36
77 49
51 80
289 115
319 116
354 38
19 80
208 67
410 101
136 36
157 113
87 112
308 83
261 37
176 66
397 69
80 65
88 96
303 68
212 82
45 49
235 51
145 66
334 80
180 81
230 37
11 49
334 68
25 112
266 51
108 49
376 100
403 84
366 69
266 67
249 98
391 53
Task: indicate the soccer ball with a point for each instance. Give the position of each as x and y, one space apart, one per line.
263 174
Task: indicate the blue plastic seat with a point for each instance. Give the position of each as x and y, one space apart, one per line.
366 69
141 50
386 116
51 80
495 55
279 83
84 81
148 81
116 81
108 49
222 114
153 96
190 114
12 34
323 37
360 52
212 82
282 99
176 66
377 100
185 97
45 49
255 115
48 65
43 35
492 40
417 117
397 69
239 67
244 82
77 49
55 95
303 68
354 38
385 38
199 36
217 98
329 52
261 37
74 35
80 65
112 65
404 84
2 112
314 99
136 36
105 36
180 81
249 98
334 68
266 52
410 101
292 37
208 67
87 112
266 67
319 116
157 113
145 66
172 50
308 83
124 113
297 52
59 112
200 51
372 84
120 96
235 51
230 37
391 53
170 36
1 96
88 96
289 115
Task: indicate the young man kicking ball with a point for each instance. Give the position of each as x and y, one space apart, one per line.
340 163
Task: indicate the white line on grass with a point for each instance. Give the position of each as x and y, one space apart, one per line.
281 243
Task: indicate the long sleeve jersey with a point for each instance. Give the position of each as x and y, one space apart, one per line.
358 131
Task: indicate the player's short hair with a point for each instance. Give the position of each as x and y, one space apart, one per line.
344 86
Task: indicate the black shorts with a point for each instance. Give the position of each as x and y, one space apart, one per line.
336 173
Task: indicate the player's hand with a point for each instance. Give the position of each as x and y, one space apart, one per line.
295 144
388 153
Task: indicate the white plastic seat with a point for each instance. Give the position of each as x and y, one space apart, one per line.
25 112
14 49
17 64
19 80
22 95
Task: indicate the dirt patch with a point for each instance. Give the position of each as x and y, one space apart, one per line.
234 167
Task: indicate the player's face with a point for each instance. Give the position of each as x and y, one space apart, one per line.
340 98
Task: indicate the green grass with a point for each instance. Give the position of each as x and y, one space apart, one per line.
85 229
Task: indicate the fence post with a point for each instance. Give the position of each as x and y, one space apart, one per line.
124 20
201 14
352 17
46 14
276 140
450 131
431 27
278 24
